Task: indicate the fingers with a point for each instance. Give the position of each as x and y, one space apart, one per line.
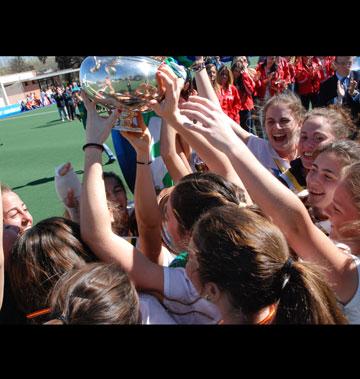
140 121
200 107
205 102
87 102
195 115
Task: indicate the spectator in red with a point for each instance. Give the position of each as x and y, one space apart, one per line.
245 86
291 72
271 78
227 93
327 67
308 78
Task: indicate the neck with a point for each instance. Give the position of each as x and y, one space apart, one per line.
290 154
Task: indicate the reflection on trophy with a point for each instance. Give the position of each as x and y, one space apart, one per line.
127 83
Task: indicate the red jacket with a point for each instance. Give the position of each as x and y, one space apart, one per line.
246 92
326 67
274 85
308 77
230 102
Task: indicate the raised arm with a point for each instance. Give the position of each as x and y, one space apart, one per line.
277 201
206 90
148 216
174 159
1 252
95 221
216 160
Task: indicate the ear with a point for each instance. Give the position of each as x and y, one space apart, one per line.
212 292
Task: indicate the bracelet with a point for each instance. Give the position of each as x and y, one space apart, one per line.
145 163
96 145
196 67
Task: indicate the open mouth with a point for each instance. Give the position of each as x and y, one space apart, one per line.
279 137
307 155
315 193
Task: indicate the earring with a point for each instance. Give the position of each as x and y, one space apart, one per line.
207 297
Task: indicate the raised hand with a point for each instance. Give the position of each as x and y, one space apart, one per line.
97 128
140 141
211 122
172 85
340 89
352 86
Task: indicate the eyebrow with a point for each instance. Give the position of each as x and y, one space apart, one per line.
15 208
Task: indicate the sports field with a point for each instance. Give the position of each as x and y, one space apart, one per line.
32 144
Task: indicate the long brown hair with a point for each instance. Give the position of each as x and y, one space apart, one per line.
97 293
247 257
40 256
196 193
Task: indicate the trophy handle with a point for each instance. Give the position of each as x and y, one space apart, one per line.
126 121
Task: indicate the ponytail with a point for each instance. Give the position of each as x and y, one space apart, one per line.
306 298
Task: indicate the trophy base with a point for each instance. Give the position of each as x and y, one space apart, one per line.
127 129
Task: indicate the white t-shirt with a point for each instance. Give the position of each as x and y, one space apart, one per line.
267 156
352 308
183 302
152 312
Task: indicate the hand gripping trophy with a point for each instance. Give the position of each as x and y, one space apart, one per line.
125 82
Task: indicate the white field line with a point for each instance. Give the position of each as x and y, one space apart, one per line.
26 115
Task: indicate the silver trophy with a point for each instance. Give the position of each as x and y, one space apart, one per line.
127 83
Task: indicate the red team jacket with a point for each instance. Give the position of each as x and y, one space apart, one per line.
246 94
308 76
281 73
230 102
326 67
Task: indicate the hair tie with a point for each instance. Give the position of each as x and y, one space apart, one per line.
287 271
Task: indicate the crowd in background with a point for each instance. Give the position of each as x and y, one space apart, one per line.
247 228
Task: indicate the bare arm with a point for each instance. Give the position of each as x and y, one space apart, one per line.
94 214
174 162
147 211
1 253
206 90
216 160
277 201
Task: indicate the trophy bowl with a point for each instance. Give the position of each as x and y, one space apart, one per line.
124 82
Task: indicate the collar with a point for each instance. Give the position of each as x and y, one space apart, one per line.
341 77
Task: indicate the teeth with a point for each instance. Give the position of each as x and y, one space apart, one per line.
316 193
279 135
308 154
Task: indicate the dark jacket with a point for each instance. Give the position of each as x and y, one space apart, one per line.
328 93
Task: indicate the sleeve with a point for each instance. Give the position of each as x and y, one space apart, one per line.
248 83
183 302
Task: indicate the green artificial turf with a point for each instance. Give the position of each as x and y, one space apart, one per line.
32 144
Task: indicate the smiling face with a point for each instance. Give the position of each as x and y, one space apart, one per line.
15 212
114 192
315 132
282 129
211 71
323 179
342 209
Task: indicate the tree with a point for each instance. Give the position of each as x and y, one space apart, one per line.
67 61
17 64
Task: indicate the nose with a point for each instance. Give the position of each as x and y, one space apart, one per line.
26 220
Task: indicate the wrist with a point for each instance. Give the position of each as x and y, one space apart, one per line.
143 156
